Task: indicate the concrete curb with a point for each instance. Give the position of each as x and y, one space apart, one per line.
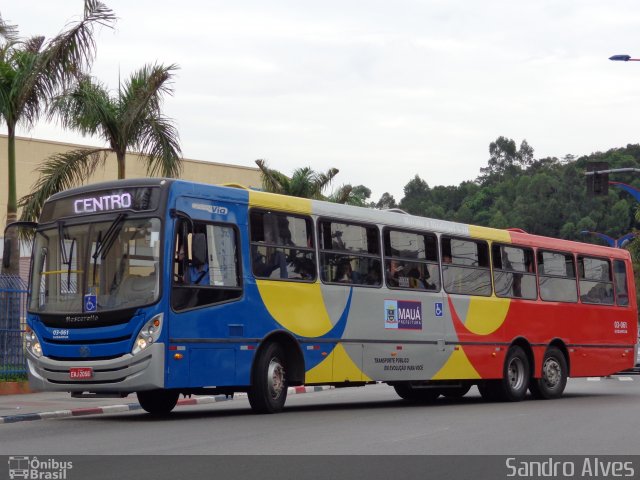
79 412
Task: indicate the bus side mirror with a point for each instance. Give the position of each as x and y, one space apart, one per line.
199 249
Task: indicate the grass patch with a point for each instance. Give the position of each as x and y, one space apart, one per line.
9 376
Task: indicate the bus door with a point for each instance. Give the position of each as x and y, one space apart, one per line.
205 286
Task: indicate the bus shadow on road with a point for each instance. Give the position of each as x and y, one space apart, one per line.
239 410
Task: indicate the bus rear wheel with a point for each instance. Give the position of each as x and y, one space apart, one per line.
513 385
268 391
408 391
554 376
158 402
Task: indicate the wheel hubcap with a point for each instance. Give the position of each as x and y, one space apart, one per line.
275 378
516 373
551 372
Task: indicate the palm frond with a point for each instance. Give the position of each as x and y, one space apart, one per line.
341 195
323 180
143 92
302 183
86 108
71 52
159 141
7 31
273 180
26 92
33 44
60 172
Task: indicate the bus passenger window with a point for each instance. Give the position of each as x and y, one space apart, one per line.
465 266
557 276
411 260
282 246
620 276
596 282
513 272
349 253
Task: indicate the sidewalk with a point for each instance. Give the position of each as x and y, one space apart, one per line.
46 405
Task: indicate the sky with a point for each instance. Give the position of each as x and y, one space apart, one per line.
382 90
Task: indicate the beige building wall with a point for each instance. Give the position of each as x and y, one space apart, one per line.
30 153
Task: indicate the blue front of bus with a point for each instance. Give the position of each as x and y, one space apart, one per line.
96 320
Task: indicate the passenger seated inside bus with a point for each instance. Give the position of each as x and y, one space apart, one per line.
344 272
199 266
304 269
197 271
373 276
265 264
415 280
394 273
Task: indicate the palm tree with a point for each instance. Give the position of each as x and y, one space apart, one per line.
32 70
350 195
304 182
131 120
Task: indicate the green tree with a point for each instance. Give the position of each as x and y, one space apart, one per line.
304 182
132 119
386 201
417 196
505 158
32 70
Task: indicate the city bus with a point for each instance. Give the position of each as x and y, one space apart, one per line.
163 287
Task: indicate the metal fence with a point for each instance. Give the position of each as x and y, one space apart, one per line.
13 311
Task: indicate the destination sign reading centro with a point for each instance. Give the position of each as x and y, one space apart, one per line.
137 199
103 203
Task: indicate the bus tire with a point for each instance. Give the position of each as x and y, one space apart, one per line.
455 392
554 376
407 391
513 385
516 375
268 391
158 402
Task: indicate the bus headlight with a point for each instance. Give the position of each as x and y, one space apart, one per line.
149 333
32 343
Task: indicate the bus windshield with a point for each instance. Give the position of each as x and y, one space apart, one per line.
93 267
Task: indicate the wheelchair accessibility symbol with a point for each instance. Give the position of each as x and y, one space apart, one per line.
439 309
90 303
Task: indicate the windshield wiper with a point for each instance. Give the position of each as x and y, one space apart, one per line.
73 243
63 248
66 259
103 244
103 247
95 256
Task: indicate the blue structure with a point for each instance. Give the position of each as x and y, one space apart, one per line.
627 188
612 242
620 242
13 300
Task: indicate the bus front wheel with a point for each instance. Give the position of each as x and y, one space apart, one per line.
158 402
554 376
268 390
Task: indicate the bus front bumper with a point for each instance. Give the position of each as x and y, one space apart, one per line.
125 374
